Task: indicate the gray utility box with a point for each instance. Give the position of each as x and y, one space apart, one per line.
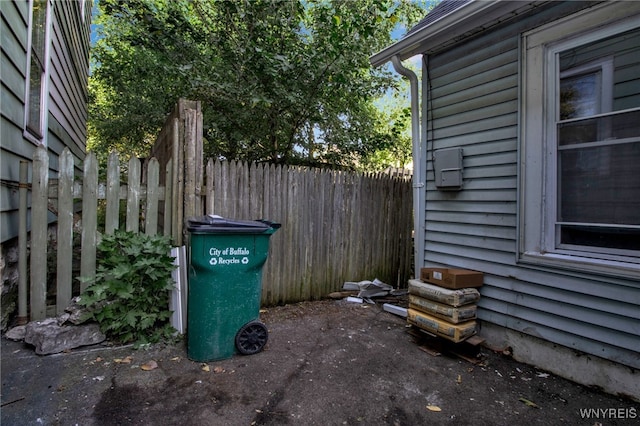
447 164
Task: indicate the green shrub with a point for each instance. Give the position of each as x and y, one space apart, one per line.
129 296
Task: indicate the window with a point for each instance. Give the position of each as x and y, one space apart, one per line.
37 70
580 118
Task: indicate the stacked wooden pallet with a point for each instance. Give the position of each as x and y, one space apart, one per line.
443 302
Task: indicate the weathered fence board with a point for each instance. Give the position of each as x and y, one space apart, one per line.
23 305
64 250
112 214
39 202
133 196
167 210
89 218
153 196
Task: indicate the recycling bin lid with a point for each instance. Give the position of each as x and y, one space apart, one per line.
219 224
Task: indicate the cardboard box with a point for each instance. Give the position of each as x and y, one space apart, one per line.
442 311
454 332
452 278
425 273
463 296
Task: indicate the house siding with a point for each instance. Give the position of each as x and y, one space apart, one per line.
14 16
66 101
69 74
473 103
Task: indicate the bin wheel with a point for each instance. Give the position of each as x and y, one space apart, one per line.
251 338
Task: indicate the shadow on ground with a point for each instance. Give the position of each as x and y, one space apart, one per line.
326 363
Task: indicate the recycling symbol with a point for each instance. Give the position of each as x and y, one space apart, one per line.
213 261
245 260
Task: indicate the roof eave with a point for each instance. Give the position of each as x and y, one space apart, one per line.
471 15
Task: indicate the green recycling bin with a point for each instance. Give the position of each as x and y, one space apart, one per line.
225 286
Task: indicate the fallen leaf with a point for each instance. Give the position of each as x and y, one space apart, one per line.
218 369
433 408
149 365
126 360
175 358
529 403
459 379
99 359
205 367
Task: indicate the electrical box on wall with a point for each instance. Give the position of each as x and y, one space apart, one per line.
447 165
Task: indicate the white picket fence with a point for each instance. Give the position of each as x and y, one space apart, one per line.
144 203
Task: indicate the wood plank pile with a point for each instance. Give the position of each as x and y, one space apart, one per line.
443 302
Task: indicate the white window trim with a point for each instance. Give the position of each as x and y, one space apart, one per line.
539 69
44 98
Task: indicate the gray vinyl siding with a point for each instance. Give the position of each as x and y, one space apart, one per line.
67 98
473 103
626 89
68 80
13 148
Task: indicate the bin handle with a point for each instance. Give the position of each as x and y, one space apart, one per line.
274 225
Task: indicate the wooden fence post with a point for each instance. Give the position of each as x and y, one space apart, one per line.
151 210
89 219
177 205
65 231
133 196
39 225
168 199
112 214
23 315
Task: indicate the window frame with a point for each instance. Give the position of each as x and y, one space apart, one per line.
539 115
36 132
605 66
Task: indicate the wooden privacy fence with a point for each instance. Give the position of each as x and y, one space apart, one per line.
336 226
143 200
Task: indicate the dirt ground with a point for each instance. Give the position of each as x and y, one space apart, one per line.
326 363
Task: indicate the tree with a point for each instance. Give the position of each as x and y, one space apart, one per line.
280 81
